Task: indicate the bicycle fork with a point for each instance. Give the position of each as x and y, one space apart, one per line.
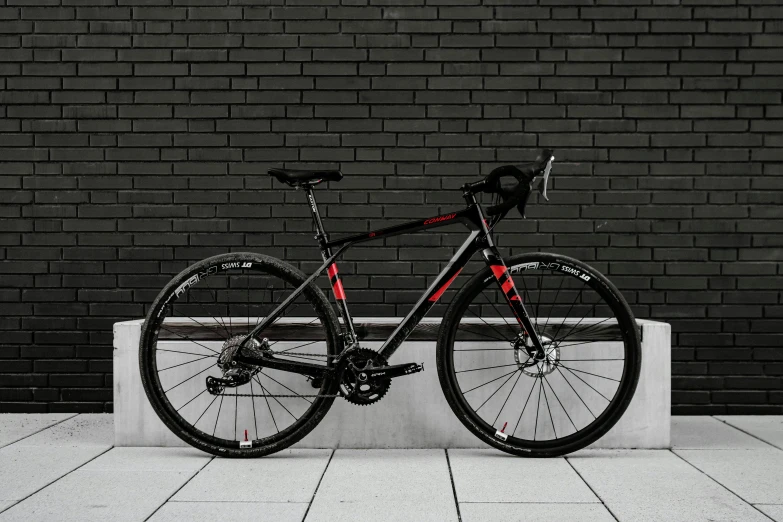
514 300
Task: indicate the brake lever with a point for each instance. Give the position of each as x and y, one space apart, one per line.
543 184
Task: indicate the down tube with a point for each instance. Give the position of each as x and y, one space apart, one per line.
432 295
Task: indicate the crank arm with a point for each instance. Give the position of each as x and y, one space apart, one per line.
392 371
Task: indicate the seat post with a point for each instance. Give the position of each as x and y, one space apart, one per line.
320 234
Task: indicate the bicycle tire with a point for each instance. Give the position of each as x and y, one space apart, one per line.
150 375
532 448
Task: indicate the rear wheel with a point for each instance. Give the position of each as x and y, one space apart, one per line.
202 314
552 406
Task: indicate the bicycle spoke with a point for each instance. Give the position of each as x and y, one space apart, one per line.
575 392
482 334
486 323
205 410
559 402
546 400
183 364
194 398
524 408
236 411
189 339
493 394
538 405
188 353
191 377
276 399
218 415
568 312
551 308
493 380
266 398
287 388
587 383
253 402
507 397
486 368
588 373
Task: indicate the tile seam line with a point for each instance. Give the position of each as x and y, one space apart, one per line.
312 499
39 431
746 432
591 488
179 488
453 486
61 477
718 483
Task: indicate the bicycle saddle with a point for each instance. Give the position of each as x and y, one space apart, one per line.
295 177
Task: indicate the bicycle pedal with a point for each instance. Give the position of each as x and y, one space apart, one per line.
393 370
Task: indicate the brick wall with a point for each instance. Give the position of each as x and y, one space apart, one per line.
135 137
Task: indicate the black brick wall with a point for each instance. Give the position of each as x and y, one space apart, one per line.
135 137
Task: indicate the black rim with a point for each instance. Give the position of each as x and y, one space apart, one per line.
191 327
548 403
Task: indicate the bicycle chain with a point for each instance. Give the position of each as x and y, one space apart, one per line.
267 395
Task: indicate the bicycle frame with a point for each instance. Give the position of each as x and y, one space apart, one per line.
479 239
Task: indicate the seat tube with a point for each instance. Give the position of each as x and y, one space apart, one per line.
334 276
509 290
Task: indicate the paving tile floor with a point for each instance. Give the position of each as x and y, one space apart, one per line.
63 467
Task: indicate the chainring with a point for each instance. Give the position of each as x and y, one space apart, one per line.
364 392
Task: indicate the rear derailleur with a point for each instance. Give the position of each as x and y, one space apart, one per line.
235 373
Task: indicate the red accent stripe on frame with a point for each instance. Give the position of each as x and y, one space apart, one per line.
337 288
443 288
332 270
508 285
498 270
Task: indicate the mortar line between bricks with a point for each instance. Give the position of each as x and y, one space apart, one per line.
310 504
453 487
62 476
718 482
591 488
39 431
746 432
179 488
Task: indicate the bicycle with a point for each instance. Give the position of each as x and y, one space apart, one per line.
237 313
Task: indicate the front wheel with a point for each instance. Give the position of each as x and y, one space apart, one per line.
540 407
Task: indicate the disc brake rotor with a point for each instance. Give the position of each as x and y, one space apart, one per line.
524 355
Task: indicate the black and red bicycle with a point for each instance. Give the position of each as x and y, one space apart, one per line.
242 354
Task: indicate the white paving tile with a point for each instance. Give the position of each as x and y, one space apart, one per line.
703 432
492 476
768 428
754 475
102 495
16 426
83 430
5 504
775 512
151 459
244 511
507 512
385 485
381 511
416 476
288 476
26 469
641 485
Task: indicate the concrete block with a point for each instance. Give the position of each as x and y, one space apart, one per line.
414 414
775 512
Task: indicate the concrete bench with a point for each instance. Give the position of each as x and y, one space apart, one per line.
412 415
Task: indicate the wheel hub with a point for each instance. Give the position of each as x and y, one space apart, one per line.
528 360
